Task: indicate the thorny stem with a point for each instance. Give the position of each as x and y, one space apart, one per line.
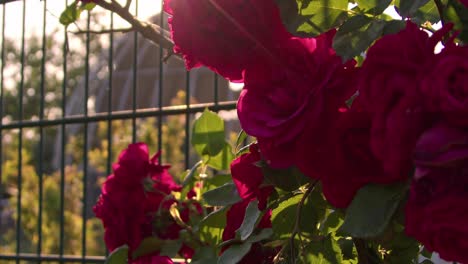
296 229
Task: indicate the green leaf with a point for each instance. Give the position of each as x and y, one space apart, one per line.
204 255
70 14
458 14
222 196
250 219
265 233
170 248
319 16
289 179
118 256
356 35
223 159
88 6
215 219
404 249
211 227
372 209
283 217
241 138
407 8
147 246
374 7
234 253
326 251
332 223
208 134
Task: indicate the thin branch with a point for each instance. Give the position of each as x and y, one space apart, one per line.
104 31
127 4
297 228
152 32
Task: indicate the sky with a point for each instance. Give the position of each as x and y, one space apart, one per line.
35 12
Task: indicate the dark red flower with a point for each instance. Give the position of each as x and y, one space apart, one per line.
130 197
464 2
390 77
224 35
437 208
445 86
283 97
235 217
248 177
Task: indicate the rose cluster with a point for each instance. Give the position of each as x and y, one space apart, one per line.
135 203
406 107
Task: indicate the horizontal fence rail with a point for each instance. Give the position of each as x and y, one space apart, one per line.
69 103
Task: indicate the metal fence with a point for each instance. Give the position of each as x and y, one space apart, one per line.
69 102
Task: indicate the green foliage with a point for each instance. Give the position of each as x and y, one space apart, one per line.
319 16
251 216
222 196
118 256
289 179
372 209
234 253
208 134
73 11
326 251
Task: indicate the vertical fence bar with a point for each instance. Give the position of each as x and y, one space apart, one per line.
85 139
187 120
41 130
135 80
62 145
20 135
2 69
109 99
161 81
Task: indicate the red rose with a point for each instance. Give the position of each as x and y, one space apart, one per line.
280 100
121 210
390 76
445 87
130 197
465 2
248 176
224 34
437 208
234 219
346 162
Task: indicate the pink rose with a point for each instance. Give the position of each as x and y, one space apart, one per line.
284 97
390 76
437 208
445 86
224 35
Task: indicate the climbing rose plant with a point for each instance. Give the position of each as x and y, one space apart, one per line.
354 146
